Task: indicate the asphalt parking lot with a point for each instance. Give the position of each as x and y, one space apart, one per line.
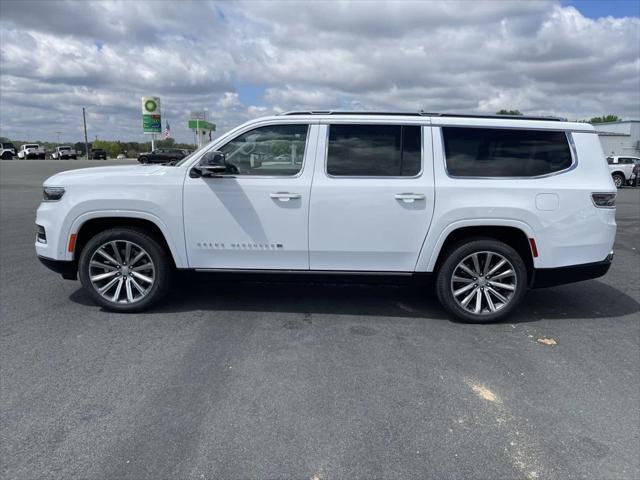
294 380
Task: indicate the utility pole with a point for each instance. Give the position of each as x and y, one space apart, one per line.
58 136
86 142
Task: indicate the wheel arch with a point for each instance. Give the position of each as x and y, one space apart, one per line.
515 235
88 225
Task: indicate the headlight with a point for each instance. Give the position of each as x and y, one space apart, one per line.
52 194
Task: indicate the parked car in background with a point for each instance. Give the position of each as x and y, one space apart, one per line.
7 151
162 155
30 151
121 156
64 152
351 192
622 169
98 154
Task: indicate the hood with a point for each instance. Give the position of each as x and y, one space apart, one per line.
100 175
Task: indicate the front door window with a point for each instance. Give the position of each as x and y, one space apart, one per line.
275 150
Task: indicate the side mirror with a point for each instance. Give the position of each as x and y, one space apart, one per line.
212 163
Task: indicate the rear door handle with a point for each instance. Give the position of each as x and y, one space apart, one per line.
409 197
285 196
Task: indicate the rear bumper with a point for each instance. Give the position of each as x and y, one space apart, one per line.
549 277
68 269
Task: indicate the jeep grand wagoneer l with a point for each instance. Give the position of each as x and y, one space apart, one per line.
491 206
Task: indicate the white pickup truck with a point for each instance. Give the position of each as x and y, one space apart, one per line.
63 153
31 150
622 169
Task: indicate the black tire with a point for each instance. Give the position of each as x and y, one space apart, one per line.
143 160
444 285
163 270
7 156
618 180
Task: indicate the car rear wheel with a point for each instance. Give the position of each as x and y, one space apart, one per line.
143 160
7 156
482 280
618 180
124 270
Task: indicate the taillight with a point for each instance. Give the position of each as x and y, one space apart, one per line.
604 200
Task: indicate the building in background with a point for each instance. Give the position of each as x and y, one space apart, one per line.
620 138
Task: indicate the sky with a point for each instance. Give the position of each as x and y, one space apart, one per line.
241 60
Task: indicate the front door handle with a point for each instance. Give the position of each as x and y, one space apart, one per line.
285 196
409 197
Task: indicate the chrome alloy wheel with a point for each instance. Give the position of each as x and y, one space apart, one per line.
483 282
122 271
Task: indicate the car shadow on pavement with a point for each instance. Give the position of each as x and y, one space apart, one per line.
192 292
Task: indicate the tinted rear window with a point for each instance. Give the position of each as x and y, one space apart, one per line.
374 150
496 152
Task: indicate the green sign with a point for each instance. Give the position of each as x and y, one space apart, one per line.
151 124
202 125
151 118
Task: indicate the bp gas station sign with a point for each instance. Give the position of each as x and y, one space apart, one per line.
151 119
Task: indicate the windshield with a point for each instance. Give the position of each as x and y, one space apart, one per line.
191 155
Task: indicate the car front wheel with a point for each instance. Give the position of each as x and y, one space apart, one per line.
482 280
124 270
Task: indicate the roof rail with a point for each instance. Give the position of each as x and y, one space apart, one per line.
421 114
349 112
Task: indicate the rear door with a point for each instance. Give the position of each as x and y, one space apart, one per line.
372 198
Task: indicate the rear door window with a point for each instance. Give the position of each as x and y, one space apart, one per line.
361 150
501 152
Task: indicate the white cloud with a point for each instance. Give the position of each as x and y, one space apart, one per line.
243 60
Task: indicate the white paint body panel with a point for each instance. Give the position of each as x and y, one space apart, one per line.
342 223
150 192
357 223
235 223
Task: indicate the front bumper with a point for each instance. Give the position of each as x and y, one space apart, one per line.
68 269
550 277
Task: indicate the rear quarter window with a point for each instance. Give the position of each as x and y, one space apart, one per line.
499 152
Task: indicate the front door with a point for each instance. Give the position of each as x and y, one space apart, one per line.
373 197
257 217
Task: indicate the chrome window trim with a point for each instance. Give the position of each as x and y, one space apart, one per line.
572 149
254 127
378 177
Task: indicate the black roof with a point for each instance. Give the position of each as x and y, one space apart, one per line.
421 114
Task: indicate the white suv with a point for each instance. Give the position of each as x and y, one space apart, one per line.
491 206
